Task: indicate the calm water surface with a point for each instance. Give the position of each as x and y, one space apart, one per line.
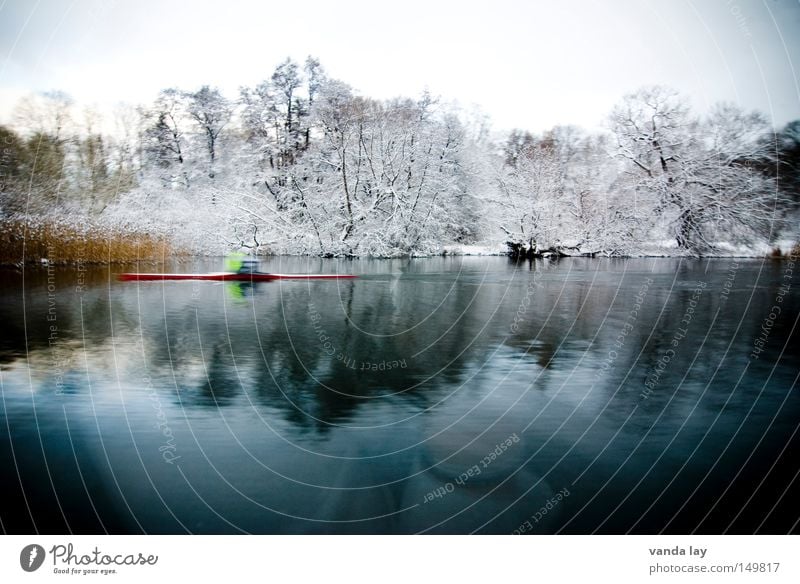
443 395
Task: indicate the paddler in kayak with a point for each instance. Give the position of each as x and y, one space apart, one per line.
240 263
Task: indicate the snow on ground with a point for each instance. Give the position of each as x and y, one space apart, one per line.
487 249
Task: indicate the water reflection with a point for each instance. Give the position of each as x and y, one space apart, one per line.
380 405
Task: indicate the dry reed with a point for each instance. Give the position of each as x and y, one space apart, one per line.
60 242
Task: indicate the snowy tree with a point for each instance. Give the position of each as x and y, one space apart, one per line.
602 220
211 112
165 136
555 195
12 172
276 120
315 80
384 178
92 172
654 133
261 125
46 169
286 82
693 175
530 204
126 155
304 164
49 113
783 161
46 124
735 199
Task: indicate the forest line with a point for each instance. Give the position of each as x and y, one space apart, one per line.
302 164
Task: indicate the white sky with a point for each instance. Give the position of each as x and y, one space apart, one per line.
528 64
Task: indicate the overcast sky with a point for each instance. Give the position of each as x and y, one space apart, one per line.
528 64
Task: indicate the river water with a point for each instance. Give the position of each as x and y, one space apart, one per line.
441 395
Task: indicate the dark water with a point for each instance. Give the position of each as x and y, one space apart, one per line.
445 395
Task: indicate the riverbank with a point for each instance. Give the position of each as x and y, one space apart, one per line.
53 241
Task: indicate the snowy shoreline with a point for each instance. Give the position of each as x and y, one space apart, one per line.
785 253
335 174
77 241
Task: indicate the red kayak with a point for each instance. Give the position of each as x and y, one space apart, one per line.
232 276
